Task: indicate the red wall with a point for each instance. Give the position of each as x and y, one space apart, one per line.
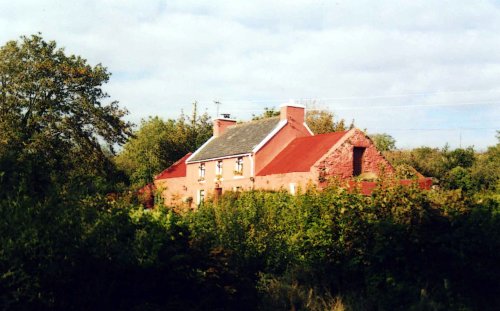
339 163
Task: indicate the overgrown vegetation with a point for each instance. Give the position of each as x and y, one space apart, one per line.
71 240
464 169
157 144
399 249
56 125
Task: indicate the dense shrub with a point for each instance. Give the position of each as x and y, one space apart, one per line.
399 249
67 255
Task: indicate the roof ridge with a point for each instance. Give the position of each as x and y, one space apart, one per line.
237 139
330 133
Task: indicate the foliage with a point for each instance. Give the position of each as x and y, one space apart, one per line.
459 157
427 161
459 178
401 248
158 144
268 113
452 169
97 255
383 142
322 121
405 171
486 170
53 119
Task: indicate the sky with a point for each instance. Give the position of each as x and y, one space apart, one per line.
425 72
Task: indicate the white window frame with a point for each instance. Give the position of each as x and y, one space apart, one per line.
201 171
238 167
218 168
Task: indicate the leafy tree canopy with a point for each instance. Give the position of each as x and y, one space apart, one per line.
268 113
54 116
383 142
323 121
158 144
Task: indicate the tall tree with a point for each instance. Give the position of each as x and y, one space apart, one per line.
54 117
157 144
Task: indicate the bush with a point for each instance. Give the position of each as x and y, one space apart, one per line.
399 249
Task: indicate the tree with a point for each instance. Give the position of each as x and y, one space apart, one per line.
54 119
322 121
459 157
486 170
383 142
268 113
158 144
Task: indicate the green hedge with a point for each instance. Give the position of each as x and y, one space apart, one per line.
399 249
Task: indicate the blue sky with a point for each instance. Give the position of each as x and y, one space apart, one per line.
425 72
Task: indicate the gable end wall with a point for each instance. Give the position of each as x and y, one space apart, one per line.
339 161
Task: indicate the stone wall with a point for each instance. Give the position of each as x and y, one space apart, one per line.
338 163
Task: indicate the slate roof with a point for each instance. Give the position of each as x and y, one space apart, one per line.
237 139
301 154
178 169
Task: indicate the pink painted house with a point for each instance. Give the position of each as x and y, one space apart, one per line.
271 154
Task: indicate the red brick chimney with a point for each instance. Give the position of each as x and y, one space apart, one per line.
292 112
221 124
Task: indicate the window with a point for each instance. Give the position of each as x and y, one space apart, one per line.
238 168
201 172
201 196
357 161
218 169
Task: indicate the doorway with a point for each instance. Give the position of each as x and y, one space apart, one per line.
357 161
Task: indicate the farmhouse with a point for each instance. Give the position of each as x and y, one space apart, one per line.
270 154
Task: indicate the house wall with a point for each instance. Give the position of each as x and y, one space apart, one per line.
174 191
291 182
228 181
339 161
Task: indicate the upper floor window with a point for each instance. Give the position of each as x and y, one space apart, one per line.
238 168
201 171
218 168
